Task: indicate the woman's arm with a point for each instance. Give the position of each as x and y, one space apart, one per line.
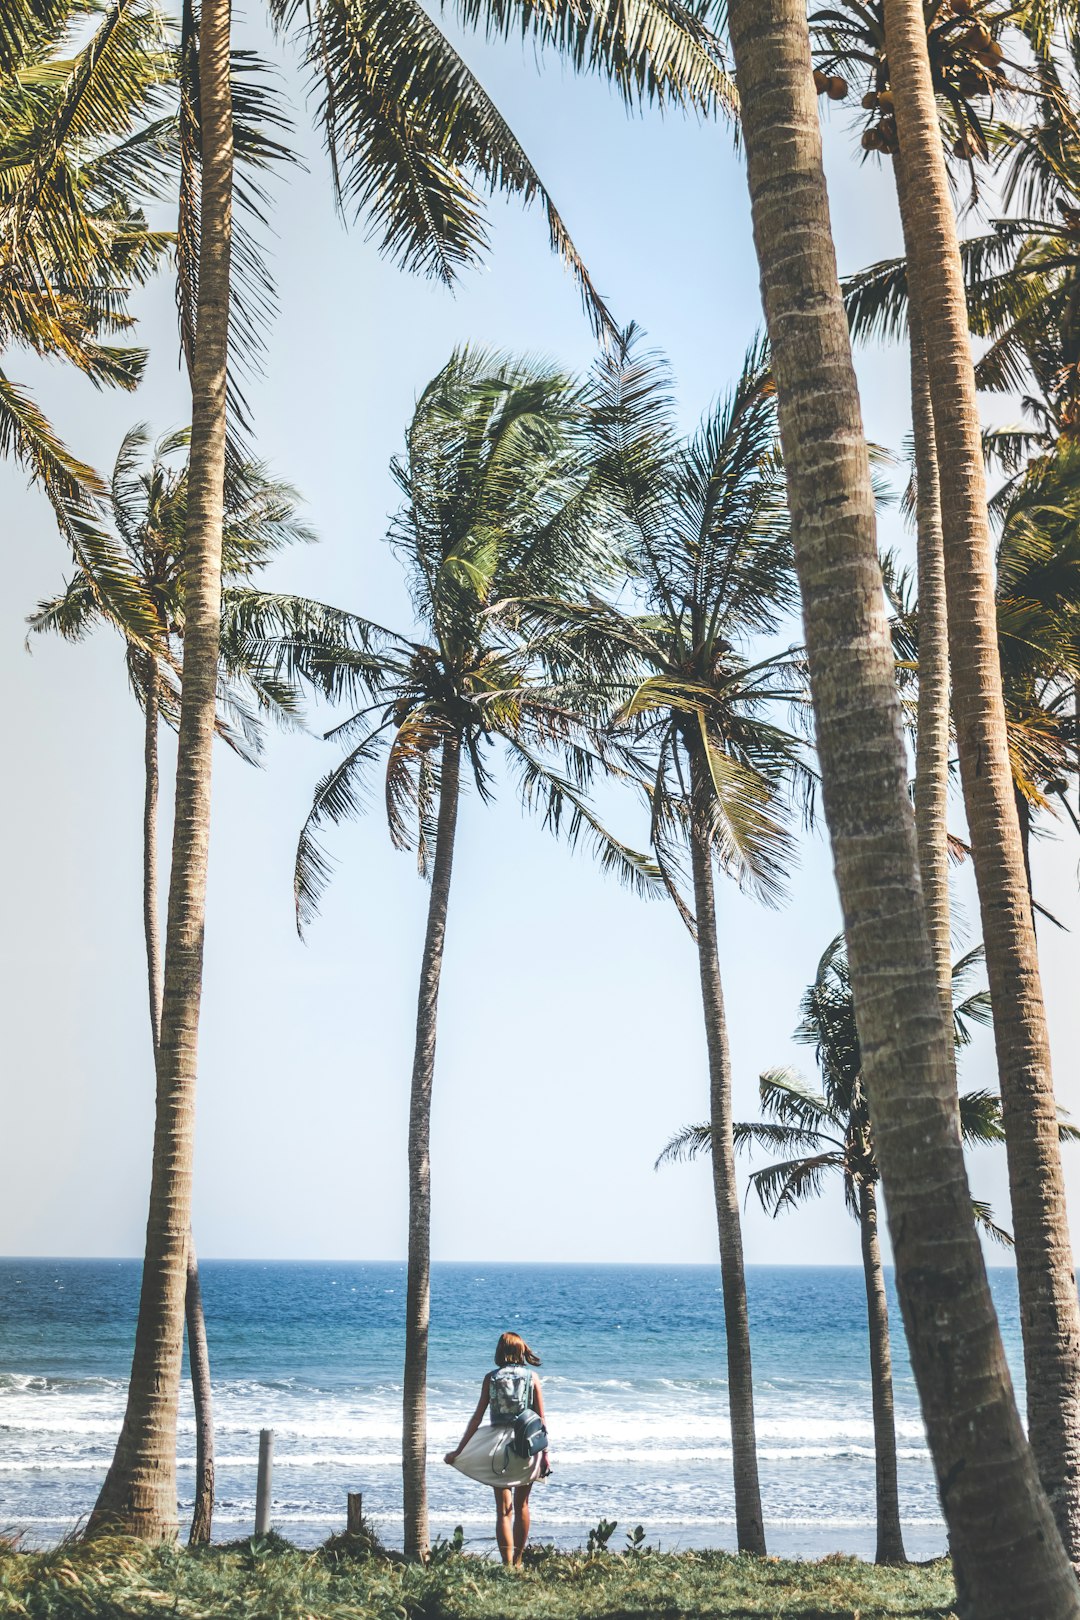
538 1400
474 1422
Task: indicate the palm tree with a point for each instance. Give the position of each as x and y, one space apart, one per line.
831 1131
147 504
500 502
967 65
997 1513
913 72
411 135
73 238
708 536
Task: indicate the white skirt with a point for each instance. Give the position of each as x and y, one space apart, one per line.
490 1458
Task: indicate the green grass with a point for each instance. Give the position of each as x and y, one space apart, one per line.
116 1579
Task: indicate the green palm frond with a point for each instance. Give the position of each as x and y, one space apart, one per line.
984 1220
787 1098
260 123
790 1181
660 53
565 811
339 796
412 779
749 830
980 1117
689 1142
71 615
748 1134
131 578
414 139
74 492
501 514
96 98
26 26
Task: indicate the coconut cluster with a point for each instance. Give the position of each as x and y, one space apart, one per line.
967 62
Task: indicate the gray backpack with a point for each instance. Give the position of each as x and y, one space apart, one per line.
510 1394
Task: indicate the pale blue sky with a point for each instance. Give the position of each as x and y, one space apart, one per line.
561 993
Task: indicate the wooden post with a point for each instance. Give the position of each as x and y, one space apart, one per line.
262 1489
354 1520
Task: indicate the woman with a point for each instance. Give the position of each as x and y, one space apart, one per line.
485 1452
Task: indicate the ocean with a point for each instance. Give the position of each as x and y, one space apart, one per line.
634 1383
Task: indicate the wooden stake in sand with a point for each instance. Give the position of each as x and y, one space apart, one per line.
354 1514
262 1488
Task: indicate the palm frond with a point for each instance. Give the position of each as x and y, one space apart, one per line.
339 796
688 1143
984 1220
412 135
567 813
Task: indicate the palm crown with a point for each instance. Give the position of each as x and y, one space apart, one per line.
501 501
827 1132
707 529
148 504
74 241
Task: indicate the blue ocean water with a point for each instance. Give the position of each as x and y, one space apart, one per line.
634 1382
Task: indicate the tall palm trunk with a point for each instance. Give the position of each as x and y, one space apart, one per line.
1023 821
139 1493
198 1352
151 932
1050 1312
989 1487
418 1292
890 1540
932 734
199 1357
748 1516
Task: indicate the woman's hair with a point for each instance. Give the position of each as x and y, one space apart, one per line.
512 1351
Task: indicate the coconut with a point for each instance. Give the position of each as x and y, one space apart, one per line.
869 101
837 88
821 81
886 101
871 140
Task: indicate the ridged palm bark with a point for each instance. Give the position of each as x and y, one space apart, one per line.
1050 1312
996 1510
199 1357
139 1493
151 787
932 719
418 1294
198 1349
748 1516
890 1540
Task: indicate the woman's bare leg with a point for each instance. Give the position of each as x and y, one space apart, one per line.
504 1528
521 1520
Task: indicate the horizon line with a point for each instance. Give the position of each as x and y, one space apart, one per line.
580 1265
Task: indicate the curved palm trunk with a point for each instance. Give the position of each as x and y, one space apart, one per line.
151 932
1023 821
418 1292
1050 1313
890 1540
139 1493
998 1516
198 1352
199 1358
932 734
748 1516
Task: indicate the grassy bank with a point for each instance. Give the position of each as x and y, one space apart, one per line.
273 1581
